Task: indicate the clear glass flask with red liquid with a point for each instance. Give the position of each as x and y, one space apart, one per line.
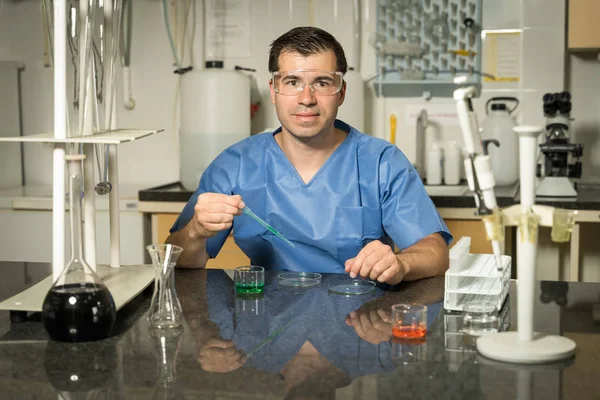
409 321
78 307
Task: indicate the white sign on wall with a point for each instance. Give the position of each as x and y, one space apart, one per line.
227 29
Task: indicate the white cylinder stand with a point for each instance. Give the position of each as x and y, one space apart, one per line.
526 346
526 250
86 128
113 207
60 131
89 204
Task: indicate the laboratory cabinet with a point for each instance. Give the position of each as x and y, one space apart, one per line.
472 228
230 256
583 26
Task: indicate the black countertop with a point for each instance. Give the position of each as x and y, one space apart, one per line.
333 347
588 197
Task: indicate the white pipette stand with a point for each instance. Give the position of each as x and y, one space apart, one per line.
526 346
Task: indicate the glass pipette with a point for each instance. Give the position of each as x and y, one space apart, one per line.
246 210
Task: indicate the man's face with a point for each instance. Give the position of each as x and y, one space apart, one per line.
307 114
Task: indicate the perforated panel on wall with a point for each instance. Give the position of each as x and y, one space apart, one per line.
423 45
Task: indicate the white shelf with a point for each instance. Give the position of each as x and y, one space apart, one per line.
124 284
105 137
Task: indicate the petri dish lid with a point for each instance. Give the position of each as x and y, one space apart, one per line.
299 279
351 288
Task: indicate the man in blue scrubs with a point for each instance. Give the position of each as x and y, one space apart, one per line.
341 197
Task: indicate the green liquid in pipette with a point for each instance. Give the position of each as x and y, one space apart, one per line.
246 210
249 288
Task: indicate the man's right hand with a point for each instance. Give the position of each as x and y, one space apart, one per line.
214 212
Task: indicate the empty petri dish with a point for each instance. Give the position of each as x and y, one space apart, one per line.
299 279
351 288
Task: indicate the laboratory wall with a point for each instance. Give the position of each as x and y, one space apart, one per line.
544 66
543 63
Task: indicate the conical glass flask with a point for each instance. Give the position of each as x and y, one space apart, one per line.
166 344
165 309
78 307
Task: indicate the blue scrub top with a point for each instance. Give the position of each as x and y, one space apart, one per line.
367 190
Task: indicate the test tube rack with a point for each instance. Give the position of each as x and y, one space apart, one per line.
474 278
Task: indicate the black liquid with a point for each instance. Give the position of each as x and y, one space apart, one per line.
79 312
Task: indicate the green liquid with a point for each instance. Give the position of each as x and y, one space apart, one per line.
245 288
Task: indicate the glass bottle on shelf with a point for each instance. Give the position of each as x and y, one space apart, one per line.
78 307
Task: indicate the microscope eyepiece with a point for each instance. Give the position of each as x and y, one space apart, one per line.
549 104
557 102
548 98
565 103
565 108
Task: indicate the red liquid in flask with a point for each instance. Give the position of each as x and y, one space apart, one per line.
409 331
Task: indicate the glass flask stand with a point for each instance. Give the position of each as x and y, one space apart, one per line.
165 309
78 307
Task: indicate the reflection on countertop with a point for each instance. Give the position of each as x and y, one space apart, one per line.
294 343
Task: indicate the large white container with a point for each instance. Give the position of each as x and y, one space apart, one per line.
352 111
434 164
215 113
499 125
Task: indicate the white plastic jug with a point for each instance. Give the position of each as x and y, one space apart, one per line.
452 164
498 129
434 164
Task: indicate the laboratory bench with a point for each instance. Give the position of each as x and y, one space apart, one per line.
299 344
171 198
454 203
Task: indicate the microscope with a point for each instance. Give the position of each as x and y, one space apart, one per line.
556 169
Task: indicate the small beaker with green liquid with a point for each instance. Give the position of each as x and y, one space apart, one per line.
249 279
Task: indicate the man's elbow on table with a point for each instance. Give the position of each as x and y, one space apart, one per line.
194 253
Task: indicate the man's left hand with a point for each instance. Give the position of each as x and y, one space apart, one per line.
376 261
